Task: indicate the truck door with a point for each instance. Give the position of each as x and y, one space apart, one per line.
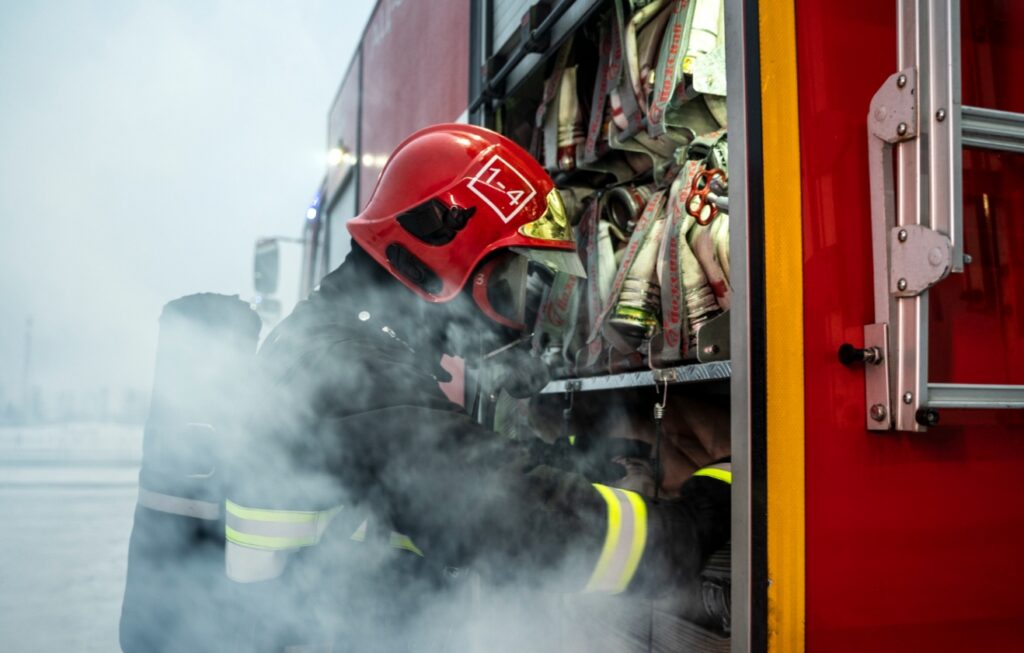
912 198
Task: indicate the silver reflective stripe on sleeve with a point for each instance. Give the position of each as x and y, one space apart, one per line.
624 540
244 564
173 505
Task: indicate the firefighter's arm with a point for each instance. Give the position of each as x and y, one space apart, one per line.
468 497
629 542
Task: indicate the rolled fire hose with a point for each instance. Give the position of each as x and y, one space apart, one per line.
637 314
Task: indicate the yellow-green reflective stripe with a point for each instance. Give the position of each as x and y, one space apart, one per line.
636 546
259 514
721 474
610 539
267 541
275 529
399 541
624 541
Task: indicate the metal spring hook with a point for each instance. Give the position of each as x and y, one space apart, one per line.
659 415
567 416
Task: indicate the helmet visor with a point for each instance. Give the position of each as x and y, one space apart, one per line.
553 224
556 260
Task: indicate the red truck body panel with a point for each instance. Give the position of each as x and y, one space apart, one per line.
913 540
416 73
343 126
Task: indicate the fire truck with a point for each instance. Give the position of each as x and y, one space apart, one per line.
870 338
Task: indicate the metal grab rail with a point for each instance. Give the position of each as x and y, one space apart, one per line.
535 41
990 129
917 216
960 395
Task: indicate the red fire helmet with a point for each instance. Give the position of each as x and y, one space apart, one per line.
450 196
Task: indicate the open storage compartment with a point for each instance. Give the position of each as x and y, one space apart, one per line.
625 105
626 109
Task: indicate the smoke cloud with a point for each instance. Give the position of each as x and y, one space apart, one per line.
144 152
320 432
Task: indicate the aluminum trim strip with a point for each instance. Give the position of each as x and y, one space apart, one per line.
745 193
696 373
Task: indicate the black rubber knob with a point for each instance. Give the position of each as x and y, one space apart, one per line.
927 417
848 354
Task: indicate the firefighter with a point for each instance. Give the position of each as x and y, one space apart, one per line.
360 488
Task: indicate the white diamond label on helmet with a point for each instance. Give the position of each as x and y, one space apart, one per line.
502 187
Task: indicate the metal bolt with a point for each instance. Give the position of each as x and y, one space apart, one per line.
878 412
364 316
908 397
873 355
901 284
927 417
901 128
967 259
711 350
940 115
902 235
901 81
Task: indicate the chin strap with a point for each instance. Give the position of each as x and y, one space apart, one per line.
481 279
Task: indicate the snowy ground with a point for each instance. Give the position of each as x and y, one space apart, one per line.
67 495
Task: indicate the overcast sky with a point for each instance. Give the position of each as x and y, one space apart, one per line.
144 146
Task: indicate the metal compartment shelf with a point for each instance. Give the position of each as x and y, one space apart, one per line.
695 373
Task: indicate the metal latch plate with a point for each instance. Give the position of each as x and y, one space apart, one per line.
919 258
876 379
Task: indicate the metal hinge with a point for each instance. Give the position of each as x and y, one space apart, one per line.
892 119
919 258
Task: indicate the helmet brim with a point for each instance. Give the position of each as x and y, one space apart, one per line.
556 260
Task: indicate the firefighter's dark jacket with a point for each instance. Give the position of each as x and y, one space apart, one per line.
348 412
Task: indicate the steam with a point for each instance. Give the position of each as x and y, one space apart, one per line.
318 432
143 154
